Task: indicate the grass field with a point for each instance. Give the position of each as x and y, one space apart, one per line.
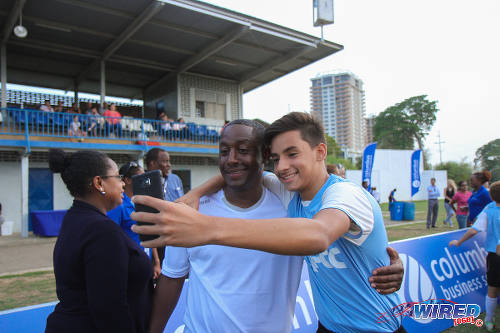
39 287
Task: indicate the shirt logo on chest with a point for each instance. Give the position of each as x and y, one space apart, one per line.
328 259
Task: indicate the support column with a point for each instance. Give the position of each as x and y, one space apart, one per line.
103 81
76 94
24 194
3 70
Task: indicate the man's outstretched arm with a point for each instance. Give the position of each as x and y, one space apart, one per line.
180 225
165 299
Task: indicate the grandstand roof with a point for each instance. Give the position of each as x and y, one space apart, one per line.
145 41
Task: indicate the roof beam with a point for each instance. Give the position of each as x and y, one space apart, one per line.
11 20
274 63
204 53
153 8
75 51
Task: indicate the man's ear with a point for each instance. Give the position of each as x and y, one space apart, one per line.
321 152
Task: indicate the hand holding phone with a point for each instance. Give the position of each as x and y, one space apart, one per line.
149 183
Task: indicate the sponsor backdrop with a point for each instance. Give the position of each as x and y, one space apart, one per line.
432 270
368 157
415 171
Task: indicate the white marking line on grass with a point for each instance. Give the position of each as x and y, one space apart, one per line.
26 308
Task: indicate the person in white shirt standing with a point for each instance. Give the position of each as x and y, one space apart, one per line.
433 206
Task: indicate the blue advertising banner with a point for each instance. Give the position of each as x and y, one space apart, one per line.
368 157
435 271
415 171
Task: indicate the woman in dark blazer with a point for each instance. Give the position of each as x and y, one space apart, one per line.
103 278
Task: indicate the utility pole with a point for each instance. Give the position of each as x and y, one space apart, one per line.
439 142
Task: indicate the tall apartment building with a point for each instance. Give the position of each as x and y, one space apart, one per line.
369 122
339 101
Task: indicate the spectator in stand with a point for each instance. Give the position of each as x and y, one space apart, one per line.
74 108
94 122
59 107
103 108
165 124
47 107
74 128
480 196
103 279
89 108
449 193
460 198
113 119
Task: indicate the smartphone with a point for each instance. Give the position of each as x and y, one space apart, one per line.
149 183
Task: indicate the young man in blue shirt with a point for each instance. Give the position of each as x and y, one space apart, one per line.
338 227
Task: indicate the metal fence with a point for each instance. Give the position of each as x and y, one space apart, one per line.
28 122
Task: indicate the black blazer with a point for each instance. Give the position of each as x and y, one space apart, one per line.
104 279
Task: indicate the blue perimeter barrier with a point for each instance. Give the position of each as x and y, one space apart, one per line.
432 270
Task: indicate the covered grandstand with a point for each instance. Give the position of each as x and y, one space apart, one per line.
185 59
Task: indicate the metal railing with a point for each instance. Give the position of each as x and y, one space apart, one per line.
27 122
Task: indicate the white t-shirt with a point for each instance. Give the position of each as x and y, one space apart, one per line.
345 196
232 289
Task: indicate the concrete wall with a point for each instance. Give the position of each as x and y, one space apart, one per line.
199 173
186 84
62 198
392 169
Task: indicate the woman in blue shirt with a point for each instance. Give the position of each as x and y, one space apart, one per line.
480 196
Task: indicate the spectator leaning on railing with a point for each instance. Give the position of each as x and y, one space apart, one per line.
113 119
47 107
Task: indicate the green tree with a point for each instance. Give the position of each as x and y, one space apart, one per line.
333 149
488 158
346 163
403 124
457 171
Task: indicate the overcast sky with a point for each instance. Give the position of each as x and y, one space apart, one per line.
445 49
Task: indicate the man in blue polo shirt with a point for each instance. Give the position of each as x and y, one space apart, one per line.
432 203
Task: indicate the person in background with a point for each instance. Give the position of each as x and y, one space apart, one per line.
113 121
460 198
47 107
376 194
336 169
103 108
489 220
93 121
74 108
103 278
89 108
392 198
59 107
364 184
432 203
121 214
480 196
448 193
159 159
2 219
74 128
